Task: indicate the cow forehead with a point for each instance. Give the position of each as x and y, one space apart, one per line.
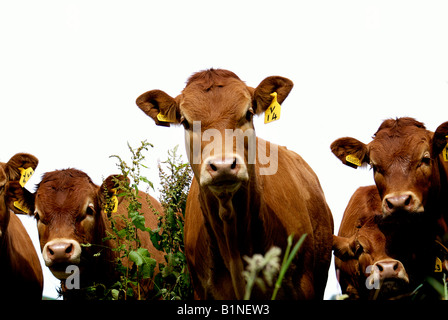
64 193
394 147
227 99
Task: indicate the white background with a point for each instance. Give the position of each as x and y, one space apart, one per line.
70 72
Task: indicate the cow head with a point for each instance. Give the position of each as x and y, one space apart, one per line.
404 157
68 207
216 109
11 171
371 267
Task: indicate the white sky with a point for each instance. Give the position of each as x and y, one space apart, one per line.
70 72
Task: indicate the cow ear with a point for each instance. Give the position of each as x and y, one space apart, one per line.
343 248
161 107
21 201
350 151
262 94
440 139
18 163
111 187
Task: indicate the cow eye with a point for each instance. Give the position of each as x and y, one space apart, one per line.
184 122
426 160
38 217
90 211
249 114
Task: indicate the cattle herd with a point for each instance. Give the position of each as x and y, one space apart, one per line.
247 195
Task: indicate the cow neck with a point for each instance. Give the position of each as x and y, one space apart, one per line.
233 221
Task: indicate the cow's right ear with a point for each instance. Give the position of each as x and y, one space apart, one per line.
21 201
18 163
350 151
160 106
343 248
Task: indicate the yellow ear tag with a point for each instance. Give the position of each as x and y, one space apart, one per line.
445 151
438 266
353 160
163 118
272 113
114 201
25 175
19 206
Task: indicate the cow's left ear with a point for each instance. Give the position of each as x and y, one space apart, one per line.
159 106
262 94
440 140
350 151
111 188
342 248
18 163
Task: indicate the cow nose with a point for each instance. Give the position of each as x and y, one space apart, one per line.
219 168
60 251
399 202
390 269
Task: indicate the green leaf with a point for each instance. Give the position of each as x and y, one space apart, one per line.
136 257
115 293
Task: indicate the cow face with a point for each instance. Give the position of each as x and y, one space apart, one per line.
11 171
366 260
403 156
216 109
68 208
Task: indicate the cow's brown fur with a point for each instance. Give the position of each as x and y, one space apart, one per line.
221 228
20 271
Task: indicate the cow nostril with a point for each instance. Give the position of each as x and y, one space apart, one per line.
213 167
51 251
380 268
407 201
233 166
389 204
69 249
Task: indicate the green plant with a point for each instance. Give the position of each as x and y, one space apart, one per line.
261 270
124 233
174 279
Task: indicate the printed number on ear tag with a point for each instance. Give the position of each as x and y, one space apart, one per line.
113 202
438 265
25 175
353 160
272 113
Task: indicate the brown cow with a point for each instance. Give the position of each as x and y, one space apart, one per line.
69 209
20 270
366 269
411 174
236 207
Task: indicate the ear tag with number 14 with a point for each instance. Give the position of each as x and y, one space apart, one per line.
272 113
25 175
